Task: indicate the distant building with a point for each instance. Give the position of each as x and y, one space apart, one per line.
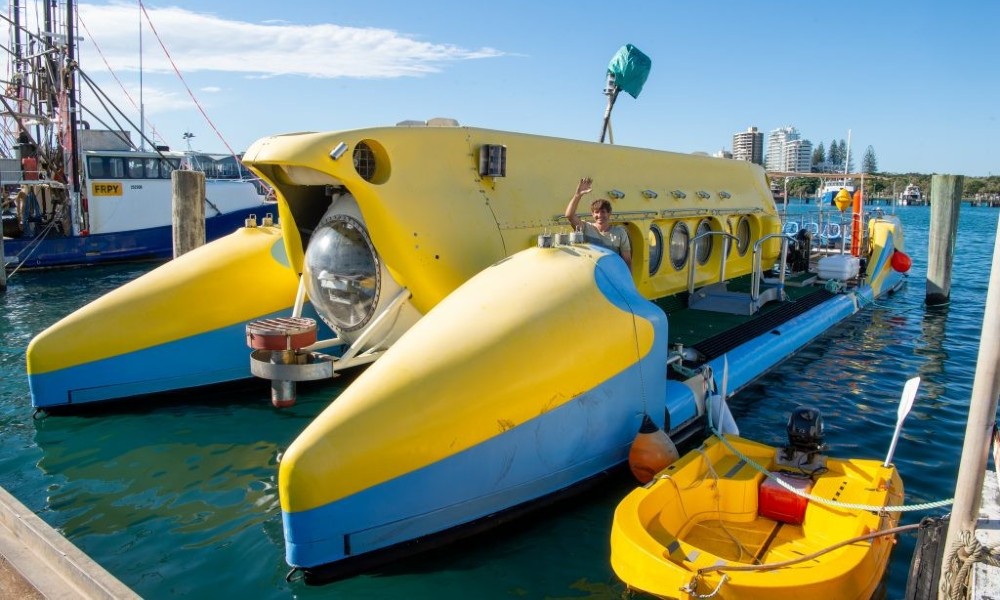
749 146
787 151
723 153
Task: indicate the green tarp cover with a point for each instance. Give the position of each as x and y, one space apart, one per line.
630 68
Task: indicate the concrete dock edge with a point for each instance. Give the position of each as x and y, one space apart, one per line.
985 579
37 562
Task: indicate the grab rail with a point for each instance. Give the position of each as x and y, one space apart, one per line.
757 274
692 259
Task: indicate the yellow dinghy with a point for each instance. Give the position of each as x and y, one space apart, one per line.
713 524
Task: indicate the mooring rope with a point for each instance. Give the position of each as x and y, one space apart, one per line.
819 499
966 552
793 561
31 247
827 501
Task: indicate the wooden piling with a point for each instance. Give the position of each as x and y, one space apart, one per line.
982 413
946 194
188 217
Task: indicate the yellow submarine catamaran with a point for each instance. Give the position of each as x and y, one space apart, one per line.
509 370
514 363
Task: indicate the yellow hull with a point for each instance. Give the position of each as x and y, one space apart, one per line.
412 207
691 517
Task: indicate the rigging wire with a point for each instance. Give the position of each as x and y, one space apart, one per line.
156 134
181 77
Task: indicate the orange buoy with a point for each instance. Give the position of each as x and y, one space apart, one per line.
901 262
856 214
651 451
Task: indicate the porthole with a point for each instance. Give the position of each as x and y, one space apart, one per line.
703 247
679 237
730 243
743 236
364 161
655 239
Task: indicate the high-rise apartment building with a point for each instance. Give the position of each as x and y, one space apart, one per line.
749 146
787 151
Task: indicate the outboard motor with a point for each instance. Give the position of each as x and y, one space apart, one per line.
797 462
798 251
805 435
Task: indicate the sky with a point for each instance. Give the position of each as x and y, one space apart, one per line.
916 80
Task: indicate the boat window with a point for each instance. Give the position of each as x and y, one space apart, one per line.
153 168
166 168
135 168
364 161
116 167
703 247
679 236
225 168
730 244
743 236
655 238
95 166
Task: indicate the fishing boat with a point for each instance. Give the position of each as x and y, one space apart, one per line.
735 518
831 187
76 196
508 362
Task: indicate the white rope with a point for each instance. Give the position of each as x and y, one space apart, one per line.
826 501
819 499
966 552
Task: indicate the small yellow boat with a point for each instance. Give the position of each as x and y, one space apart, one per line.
714 525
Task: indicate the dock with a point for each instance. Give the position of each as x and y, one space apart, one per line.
37 562
985 578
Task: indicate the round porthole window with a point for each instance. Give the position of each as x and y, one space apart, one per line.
730 242
679 237
743 236
655 248
703 247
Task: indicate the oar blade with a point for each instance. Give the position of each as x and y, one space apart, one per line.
906 400
905 404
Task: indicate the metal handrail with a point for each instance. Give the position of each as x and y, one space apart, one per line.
757 271
692 259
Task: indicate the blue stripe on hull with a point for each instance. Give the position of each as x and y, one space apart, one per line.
142 244
167 367
557 449
754 358
552 452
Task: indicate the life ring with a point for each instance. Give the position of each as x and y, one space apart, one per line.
812 227
791 227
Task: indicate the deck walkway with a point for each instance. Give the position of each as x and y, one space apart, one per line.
37 562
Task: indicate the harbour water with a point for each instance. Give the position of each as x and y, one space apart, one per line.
179 498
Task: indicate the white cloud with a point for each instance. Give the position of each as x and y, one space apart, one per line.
205 42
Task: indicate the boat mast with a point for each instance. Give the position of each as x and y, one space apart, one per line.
847 156
70 138
142 106
18 74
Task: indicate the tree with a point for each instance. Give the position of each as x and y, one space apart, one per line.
819 154
834 157
869 164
